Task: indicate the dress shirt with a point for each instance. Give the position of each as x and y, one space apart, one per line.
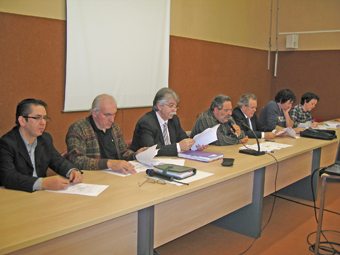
161 123
249 123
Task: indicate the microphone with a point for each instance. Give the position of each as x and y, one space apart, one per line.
251 151
153 173
166 177
231 125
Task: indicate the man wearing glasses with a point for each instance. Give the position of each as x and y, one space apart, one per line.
245 113
26 152
161 126
96 142
220 111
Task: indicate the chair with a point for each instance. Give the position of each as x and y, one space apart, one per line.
324 178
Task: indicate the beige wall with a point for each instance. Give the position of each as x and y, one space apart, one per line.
235 22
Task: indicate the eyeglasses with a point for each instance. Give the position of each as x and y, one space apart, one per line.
172 106
252 108
39 118
228 110
152 181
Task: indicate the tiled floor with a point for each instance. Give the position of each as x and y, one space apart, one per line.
286 233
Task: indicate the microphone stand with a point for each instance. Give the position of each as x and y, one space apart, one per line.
251 151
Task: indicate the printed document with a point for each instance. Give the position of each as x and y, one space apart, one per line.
82 189
206 137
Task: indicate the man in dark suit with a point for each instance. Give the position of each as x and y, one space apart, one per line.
161 126
26 152
245 113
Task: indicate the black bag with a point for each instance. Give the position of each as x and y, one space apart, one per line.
318 134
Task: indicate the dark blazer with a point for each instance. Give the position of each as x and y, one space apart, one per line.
148 132
257 126
15 164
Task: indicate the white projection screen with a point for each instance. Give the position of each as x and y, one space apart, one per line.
117 47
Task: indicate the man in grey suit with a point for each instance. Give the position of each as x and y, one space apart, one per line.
161 126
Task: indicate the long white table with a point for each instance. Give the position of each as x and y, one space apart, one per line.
128 219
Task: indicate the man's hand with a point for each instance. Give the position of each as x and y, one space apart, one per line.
314 124
121 165
54 182
141 150
76 176
202 147
237 129
282 134
186 144
244 140
269 135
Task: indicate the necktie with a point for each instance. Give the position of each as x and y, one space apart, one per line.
165 134
249 124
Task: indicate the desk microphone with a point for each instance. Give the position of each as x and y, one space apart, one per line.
231 125
153 173
251 151
166 177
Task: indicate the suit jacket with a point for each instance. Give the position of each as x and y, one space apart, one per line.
16 168
257 126
148 132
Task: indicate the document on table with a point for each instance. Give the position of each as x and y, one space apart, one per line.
321 127
268 146
139 167
206 137
199 175
332 124
82 189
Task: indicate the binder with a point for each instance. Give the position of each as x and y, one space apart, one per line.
200 156
178 172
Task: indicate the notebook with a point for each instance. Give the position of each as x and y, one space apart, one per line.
335 168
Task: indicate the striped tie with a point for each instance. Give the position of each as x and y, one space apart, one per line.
249 124
165 134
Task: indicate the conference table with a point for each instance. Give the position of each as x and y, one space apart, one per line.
128 219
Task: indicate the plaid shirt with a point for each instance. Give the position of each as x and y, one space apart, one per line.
83 147
298 115
224 135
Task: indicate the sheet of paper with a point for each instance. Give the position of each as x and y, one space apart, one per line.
199 175
82 189
206 137
291 132
162 161
321 127
146 156
139 167
332 124
267 146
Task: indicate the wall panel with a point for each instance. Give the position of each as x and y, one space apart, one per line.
32 53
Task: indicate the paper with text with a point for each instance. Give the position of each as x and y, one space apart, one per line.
82 189
206 137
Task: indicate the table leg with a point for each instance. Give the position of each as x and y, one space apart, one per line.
302 188
248 219
145 231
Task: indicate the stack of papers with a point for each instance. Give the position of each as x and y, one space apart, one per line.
200 155
266 147
332 124
206 137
